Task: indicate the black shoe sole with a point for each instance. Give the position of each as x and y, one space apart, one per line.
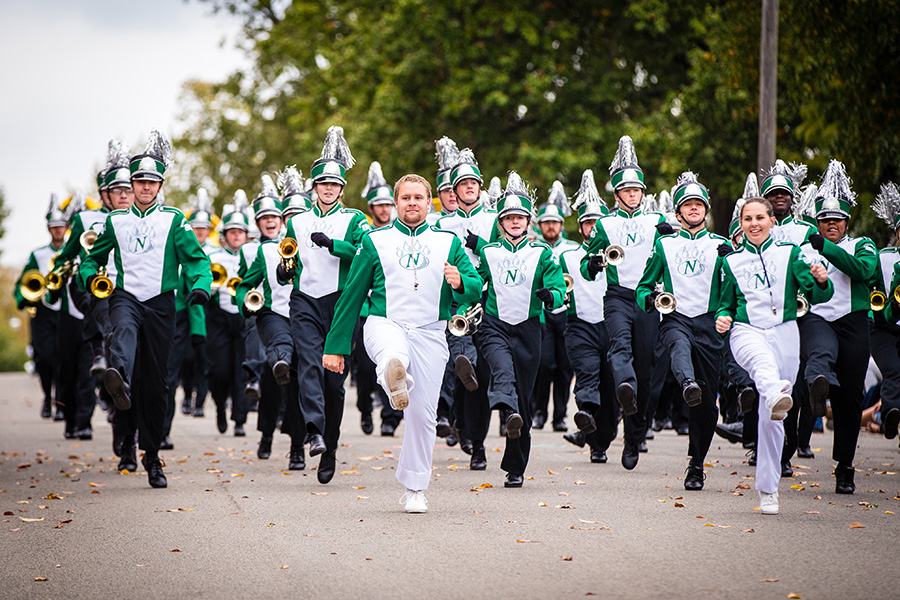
465 372
599 459
626 398
130 467
729 435
584 422
818 394
514 425
115 385
513 484
891 423
575 439
746 400
804 454
693 395
282 372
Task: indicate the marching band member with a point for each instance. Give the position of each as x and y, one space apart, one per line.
688 266
409 305
327 236
758 304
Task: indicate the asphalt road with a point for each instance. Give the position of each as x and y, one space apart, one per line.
232 526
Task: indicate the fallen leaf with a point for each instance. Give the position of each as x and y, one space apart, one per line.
795 596
768 580
96 484
484 485
579 482
748 530
362 497
589 522
237 474
810 512
523 541
52 496
359 487
797 487
31 520
270 524
853 525
566 558
319 493
284 566
549 472
679 505
40 579
174 550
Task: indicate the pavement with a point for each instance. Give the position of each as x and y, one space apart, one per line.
232 526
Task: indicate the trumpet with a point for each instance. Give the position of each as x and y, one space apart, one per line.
803 305
287 250
231 285
57 277
897 294
254 300
33 286
665 303
101 286
615 254
87 240
570 283
219 274
466 324
877 300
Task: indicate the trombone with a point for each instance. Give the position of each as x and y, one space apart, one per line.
467 323
33 286
87 240
102 285
287 250
877 300
254 300
219 275
231 285
803 305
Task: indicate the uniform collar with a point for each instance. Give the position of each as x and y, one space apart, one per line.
509 245
315 209
785 221
460 212
624 214
687 234
135 210
406 230
753 249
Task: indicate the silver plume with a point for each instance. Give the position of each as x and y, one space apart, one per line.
268 186
336 147
558 197
664 202
649 204
158 145
495 190
116 155
805 206
625 155
376 178
203 203
516 186
587 192
467 157
887 203
836 184
751 186
447 153
239 201
290 181
796 172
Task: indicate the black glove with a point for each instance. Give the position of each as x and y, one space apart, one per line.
595 265
472 241
665 229
320 239
53 296
90 281
197 340
724 250
817 241
284 276
545 295
650 301
197 297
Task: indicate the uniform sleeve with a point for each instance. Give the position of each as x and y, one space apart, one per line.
358 227
806 283
253 276
32 264
552 279
72 249
99 255
653 272
193 260
727 292
891 309
599 242
197 319
859 266
349 305
471 281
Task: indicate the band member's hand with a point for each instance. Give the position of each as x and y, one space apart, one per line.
650 302
595 265
724 250
472 241
665 229
90 281
817 241
197 297
333 362
820 274
323 241
723 324
545 295
53 296
197 340
284 276
451 274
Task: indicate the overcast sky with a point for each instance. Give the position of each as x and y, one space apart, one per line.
76 73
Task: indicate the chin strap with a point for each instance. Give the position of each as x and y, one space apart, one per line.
513 238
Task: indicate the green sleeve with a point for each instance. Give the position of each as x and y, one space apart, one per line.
552 279
32 264
653 272
73 248
471 281
254 275
99 255
358 227
859 266
807 285
599 242
891 309
193 260
197 319
349 305
727 292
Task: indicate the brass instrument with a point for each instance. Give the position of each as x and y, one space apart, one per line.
287 250
87 240
33 286
615 254
897 294
466 324
254 300
56 279
570 283
877 300
101 286
31 310
803 305
665 303
231 285
219 274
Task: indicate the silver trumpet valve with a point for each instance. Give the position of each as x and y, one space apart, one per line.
467 323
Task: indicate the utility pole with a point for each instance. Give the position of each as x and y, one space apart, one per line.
768 84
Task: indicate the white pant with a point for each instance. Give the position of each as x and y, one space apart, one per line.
423 351
772 358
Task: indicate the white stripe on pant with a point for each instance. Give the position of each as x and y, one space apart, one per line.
423 351
772 358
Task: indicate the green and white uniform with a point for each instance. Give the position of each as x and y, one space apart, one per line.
481 222
561 245
850 263
635 233
38 260
261 275
792 231
230 259
586 298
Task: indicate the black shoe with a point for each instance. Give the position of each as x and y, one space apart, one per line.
805 452
155 474
691 392
265 447
282 372
890 423
118 389
746 399
693 478
466 372
513 480
502 431
683 429
128 462
751 457
85 434
786 470
297 459
387 429
166 444
221 421
843 479
69 435
443 428
46 409
316 444
560 426
251 390
625 396
576 438
585 422
326 467
650 435
98 366
658 424
186 408
366 424
478 462
630 456
539 420
514 424
642 447
239 430
59 415
598 456
118 440
818 394
198 412
733 432
452 439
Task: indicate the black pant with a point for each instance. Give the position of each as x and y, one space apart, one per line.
141 342
321 392
180 341
511 352
885 342
275 335
225 348
695 350
455 399
254 352
555 368
594 392
632 335
839 350
75 391
367 383
43 343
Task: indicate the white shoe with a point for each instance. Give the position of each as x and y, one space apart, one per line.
780 408
768 503
395 374
414 501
